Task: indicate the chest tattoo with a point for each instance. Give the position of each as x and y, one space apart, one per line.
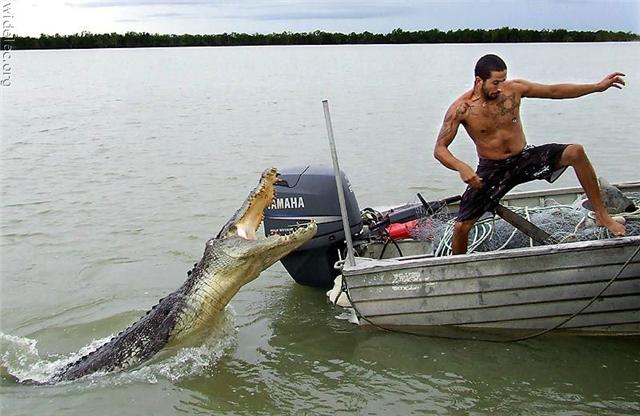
507 106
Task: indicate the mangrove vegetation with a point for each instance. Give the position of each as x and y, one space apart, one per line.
87 40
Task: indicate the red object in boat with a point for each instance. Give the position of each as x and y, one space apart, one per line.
399 231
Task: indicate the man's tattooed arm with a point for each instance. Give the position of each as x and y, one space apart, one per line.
452 121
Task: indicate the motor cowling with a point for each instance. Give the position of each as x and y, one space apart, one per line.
309 193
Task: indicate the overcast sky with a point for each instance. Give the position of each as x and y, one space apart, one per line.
32 17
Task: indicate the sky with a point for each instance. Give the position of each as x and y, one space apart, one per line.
33 17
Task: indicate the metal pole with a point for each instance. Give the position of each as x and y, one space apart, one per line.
336 170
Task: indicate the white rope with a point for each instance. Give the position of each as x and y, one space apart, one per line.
484 230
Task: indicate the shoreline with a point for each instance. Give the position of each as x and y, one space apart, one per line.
87 40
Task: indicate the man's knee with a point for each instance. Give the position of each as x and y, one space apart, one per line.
462 227
574 153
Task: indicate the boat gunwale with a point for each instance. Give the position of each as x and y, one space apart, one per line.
365 265
567 190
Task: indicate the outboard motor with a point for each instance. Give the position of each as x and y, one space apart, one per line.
310 193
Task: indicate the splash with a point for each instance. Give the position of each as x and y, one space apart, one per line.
21 361
186 362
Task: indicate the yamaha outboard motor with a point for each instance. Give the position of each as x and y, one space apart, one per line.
309 193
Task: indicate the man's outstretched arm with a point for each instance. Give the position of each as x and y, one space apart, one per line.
441 151
558 91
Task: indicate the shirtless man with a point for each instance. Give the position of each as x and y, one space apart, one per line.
490 113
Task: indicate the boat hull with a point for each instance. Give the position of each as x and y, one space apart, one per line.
528 289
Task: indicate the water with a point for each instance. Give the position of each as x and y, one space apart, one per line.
117 166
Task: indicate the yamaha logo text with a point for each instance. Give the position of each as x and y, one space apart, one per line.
288 203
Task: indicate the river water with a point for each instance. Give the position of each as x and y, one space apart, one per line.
118 165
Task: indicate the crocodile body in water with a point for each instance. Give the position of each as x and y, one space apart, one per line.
232 259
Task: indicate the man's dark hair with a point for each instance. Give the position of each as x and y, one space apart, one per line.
487 64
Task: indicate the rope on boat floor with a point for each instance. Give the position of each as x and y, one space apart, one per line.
564 222
345 289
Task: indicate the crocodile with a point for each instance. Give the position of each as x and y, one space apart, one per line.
232 259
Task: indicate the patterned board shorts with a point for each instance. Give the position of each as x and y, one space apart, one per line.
500 176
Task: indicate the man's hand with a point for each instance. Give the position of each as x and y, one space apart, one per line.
470 177
612 80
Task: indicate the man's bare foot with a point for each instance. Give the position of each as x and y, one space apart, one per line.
615 227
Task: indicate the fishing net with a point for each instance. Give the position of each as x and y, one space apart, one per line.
565 223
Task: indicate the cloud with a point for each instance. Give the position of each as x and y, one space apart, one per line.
337 13
290 10
165 15
272 9
134 3
412 13
266 16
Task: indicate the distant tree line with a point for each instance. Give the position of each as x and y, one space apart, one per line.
86 40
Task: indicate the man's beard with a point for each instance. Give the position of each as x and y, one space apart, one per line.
487 96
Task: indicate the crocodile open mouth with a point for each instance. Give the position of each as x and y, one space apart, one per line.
246 221
252 213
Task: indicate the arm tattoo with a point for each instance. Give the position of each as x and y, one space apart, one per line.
445 131
443 136
448 131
